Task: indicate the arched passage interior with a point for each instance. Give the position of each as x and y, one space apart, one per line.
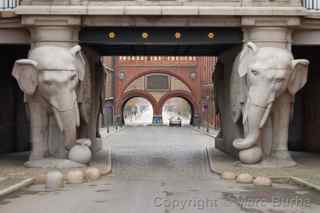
137 111
187 98
177 108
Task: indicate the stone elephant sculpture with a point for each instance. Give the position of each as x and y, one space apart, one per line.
51 79
263 84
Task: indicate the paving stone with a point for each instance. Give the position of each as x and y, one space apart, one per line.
262 181
75 176
92 173
244 178
228 175
54 180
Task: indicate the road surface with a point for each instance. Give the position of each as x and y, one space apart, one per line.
162 170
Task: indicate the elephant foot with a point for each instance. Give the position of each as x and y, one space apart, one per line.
251 156
97 145
38 154
62 154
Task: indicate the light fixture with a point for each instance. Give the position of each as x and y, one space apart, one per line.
177 35
111 35
211 35
145 35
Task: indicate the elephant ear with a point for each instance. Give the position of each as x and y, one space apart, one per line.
245 57
25 72
237 92
299 75
238 86
79 61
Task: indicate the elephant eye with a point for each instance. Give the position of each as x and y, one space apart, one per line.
48 83
73 77
254 72
279 80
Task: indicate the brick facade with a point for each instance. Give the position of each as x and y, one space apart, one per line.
190 78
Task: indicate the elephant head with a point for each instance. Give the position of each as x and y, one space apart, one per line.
263 74
50 76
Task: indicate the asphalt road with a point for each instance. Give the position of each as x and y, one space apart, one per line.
162 169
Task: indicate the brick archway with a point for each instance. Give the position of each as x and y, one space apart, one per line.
138 93
186 71
183 79
195 109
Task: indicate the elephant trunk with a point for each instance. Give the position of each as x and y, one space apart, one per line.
254 120
68 122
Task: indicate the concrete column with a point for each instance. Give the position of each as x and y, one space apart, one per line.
66 36
268 36
53 30
269 31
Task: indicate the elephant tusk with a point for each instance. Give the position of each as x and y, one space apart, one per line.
265 115
77 115
58 119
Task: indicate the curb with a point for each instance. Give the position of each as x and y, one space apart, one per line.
304 183
114 132
275 179
108 169
202 132
17 186
210 162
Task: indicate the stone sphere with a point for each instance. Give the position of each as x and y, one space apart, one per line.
54 180
92 173
228 175
75 176
262 181
80 154
40 179
250 156
244 178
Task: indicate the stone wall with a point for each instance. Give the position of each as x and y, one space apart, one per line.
307 115
14 127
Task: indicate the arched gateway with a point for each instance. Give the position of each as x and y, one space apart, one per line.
181 29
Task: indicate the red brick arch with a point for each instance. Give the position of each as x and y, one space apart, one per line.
167 72
137 93
181 94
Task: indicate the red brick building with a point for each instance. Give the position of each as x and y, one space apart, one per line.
159 78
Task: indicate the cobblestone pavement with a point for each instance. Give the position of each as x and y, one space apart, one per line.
162 169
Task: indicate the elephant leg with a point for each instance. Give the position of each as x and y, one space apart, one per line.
94 132
266 137
55 140
280 123
39 131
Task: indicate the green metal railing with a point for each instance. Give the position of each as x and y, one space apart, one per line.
312 4
8 4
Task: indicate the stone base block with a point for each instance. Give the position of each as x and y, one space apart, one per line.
279 159
53 163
